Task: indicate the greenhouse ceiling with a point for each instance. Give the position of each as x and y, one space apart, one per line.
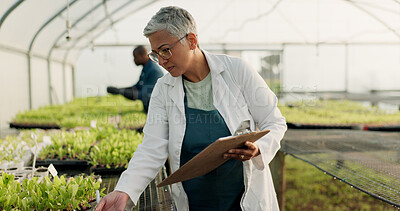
43 41
60 29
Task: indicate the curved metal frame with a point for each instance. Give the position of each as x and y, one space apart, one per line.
60 36
373 16
95 26
30 52
118 20
91 29
272 9
9 11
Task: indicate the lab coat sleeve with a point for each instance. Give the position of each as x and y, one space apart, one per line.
262 104
151 155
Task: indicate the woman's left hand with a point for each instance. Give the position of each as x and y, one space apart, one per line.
244 154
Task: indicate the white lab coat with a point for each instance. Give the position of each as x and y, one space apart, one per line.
239 93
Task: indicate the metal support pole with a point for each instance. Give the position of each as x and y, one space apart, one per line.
277 166
29 81
49 81
73 82
64 83
282 71
346 68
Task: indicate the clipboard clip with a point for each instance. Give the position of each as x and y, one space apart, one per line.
244 128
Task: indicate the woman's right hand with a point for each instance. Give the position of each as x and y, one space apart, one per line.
115 200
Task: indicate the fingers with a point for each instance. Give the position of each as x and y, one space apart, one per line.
250 145
243 154
100 205
253 146
115 201
240 157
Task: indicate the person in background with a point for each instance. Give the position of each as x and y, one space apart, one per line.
203 97
142 90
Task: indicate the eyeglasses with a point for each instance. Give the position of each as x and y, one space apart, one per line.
163 53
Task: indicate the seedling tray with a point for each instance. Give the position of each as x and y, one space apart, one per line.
70 167
387 128
319 126
106 171
17 125
138 129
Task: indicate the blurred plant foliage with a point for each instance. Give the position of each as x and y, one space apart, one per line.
13 148
107 147
336 112
81 111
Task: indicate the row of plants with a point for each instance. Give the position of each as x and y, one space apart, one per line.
69 145
82 111
114 110
337 112
102 147
116 150
57 193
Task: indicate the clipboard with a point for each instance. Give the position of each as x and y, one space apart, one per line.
211 157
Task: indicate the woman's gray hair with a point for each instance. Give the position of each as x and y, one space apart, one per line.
176 21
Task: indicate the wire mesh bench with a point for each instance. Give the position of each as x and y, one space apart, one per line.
368 161
152 199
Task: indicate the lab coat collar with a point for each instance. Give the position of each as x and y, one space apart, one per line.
176 86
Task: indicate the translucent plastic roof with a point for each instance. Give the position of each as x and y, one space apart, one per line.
41 66
277 22
40 26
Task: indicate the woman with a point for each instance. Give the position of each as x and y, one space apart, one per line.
203 97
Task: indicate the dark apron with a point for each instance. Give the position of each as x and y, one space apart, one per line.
222 188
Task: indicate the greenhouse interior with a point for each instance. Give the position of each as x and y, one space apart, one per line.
334 67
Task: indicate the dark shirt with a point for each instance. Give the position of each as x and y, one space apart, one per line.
151 72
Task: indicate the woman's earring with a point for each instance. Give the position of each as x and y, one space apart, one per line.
194 51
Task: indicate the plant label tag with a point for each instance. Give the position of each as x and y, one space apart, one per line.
47 140
52 170
34 150
97 196
93 123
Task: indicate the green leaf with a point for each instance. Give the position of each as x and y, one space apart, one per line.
73 189
57 181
